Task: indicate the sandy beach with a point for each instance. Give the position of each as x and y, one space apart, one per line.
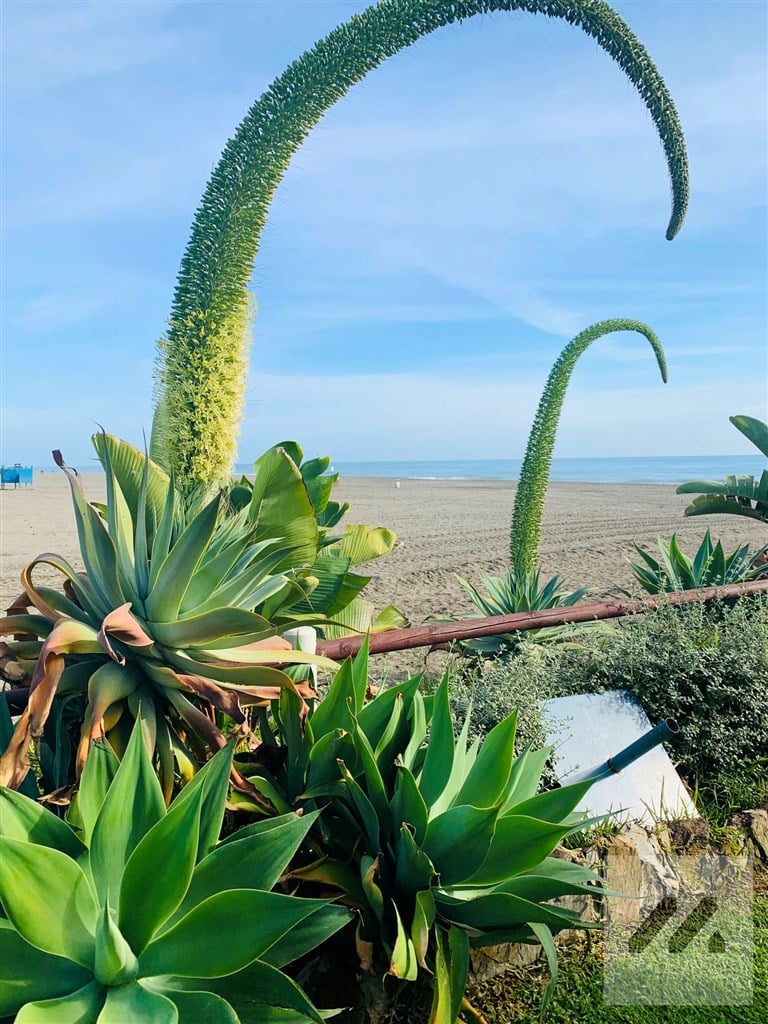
444 527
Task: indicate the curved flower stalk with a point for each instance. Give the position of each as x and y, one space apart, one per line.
109 916
534 473
200 369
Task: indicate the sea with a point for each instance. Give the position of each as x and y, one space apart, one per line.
667 469
651 470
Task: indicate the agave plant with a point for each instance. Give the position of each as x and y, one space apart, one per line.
736 495
710 566
441 845
110 917
202 360
161 622
518 592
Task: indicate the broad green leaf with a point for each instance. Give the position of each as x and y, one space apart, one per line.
457 841
375 715
423 920
48 900
374 784
555 805
408 804
135 1004
518 844
363 543
201 1008
213 780
754 430
413 868
440 749
334 710
281 508
364 810
27 974
115 962
129 466
525 776
253 862
544 935
258 987
488 778
503 911
360 674
404 963
158 872
262 918
80 1007
116 833
28 821
201 630
307 935
168 589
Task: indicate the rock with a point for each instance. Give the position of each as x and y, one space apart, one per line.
754 825
636 863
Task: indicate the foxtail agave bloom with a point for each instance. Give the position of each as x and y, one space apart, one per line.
109 917
159 626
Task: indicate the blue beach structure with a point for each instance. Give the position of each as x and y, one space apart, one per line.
16 474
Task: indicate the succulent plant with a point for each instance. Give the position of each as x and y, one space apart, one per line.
123 913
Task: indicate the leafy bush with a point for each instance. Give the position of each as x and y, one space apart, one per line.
705 666
709 568
441 845
489 693
110 916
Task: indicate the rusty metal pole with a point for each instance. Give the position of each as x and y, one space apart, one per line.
467 629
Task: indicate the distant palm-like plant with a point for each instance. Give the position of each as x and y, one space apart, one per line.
534 473
736 495
201 365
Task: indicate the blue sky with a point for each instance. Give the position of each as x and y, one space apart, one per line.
450 224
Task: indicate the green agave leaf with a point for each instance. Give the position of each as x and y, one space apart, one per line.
374 717
334 711
100 769
173 578
458 840
374 783
440 749
28 821
129 466
198 1007
488 778
254 862
498 910
307 935
210 627
116 833
115 962
159 871
423 919
213 782
263 918
451 969
525 776
364 810
555 805
258 989
48 900
28 975
369 870
418 731
135 1004
404 963
519 843
80 1007
413 868
408 806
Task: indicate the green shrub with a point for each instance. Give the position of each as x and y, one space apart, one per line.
710 566
706 666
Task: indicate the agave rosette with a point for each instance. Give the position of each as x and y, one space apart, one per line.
160 625
441 844
108 916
